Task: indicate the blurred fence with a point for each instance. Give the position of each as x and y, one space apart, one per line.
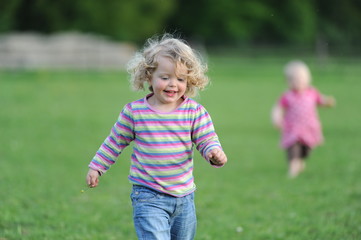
62 51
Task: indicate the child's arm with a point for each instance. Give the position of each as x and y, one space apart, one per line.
119 138
206 139
328 101
277 116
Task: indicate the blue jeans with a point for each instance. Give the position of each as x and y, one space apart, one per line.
163 217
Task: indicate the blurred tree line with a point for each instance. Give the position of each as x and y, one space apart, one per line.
233 22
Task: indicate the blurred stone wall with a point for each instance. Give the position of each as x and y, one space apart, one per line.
62 51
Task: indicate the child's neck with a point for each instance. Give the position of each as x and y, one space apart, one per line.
299 90
164 107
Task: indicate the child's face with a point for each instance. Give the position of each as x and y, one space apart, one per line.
299 80
169 82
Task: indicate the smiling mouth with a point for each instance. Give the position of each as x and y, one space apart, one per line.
170 93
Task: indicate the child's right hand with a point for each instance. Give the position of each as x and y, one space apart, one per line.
277 116
92 178
278 125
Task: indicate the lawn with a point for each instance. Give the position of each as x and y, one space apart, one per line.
52 122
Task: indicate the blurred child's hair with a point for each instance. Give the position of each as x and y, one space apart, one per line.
292 67
144 63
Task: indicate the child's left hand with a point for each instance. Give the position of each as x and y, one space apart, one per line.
328 101
217 157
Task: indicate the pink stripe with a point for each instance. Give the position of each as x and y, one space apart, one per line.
164 179
120 127
150 112
122 138
109 150
144 134
165 145
104 159
136 162
168 189
180 186
146 183
160 157
126 118
212 134
162 169
205 127
166 168
175 178
201 118
96 166
114 143
163 123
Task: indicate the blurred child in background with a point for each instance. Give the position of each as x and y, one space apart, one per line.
165 126
295 114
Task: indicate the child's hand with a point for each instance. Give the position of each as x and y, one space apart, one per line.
278 125
217 157
92 178
329 101
277 117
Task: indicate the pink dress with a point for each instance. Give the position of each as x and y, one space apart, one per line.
301 122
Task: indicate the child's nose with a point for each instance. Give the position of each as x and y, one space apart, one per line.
172 82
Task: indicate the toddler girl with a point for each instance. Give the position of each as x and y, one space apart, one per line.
165 126
296 116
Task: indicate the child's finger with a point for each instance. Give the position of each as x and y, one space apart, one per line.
88 180
216 160
96 182
218 155
92 181
213 153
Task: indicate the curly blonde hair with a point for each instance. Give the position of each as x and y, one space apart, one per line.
144 63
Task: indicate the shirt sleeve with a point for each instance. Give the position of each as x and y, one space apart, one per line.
203 133
318 96
283 101
120 137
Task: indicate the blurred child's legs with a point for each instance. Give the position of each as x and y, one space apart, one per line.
296 154
161 216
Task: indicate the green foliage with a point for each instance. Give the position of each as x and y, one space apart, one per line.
130 20
340 22
8 11
53 122
215 21
295 21
276 22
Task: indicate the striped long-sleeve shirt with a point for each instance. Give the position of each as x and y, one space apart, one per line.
162 157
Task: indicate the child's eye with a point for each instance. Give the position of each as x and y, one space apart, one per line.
181 79
164 78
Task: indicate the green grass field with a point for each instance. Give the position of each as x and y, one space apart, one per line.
52 123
